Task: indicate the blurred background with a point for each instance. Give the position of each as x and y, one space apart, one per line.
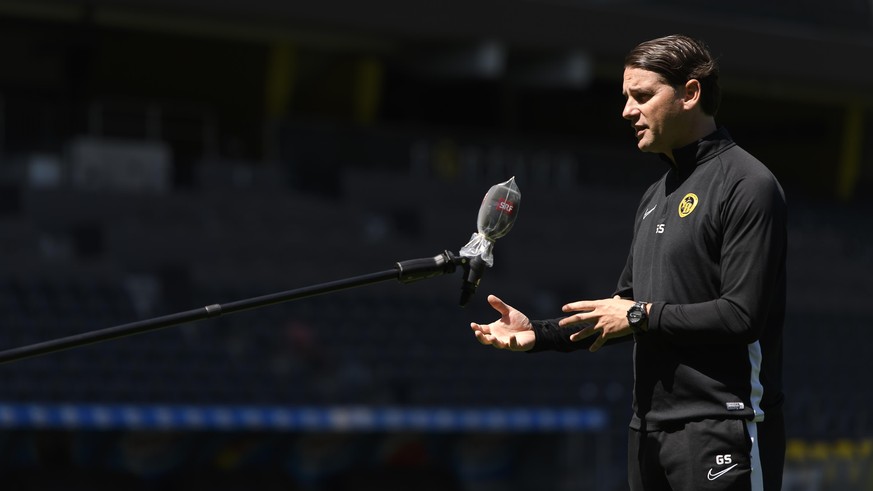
159 156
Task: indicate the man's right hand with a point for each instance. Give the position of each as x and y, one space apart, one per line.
513 331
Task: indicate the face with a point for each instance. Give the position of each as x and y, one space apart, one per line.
655 109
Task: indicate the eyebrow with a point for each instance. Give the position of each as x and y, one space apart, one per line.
635 88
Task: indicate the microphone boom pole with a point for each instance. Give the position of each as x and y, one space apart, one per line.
404 271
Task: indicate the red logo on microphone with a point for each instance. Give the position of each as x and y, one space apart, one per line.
504 206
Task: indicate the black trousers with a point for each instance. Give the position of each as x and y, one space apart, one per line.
726 455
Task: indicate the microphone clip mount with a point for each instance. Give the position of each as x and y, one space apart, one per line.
419 269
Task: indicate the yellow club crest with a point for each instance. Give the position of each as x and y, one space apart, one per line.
688 204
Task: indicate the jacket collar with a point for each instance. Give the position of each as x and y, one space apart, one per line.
696 153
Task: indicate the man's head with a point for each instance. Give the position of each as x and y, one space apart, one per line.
679 59
672 91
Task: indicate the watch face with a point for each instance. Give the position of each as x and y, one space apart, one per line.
635 316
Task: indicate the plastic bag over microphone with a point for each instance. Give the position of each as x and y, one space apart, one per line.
496 217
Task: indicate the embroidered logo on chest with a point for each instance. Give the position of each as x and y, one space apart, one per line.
688 204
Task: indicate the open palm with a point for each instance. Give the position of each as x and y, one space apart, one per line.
513 331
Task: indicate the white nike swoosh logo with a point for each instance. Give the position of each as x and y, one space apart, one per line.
713 477
649 211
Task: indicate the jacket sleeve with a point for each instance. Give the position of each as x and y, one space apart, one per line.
753 251
625 286
552 337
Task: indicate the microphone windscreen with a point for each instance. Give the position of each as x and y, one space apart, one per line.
499 209
497 215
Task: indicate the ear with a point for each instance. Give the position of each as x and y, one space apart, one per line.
691 97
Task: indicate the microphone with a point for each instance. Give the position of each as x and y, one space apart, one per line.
497 215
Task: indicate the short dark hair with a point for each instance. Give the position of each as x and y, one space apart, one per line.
679 58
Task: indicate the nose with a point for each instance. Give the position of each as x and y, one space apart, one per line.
630 111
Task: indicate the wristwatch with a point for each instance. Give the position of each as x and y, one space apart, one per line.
637 317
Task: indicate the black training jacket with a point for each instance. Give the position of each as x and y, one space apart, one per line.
708 253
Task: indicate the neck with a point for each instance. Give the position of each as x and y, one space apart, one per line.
703 126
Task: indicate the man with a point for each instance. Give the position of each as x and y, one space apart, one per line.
702 293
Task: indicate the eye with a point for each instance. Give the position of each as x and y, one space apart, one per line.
638 96
642 97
